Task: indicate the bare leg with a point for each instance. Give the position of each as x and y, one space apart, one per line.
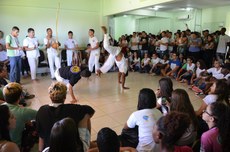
119 77
123 81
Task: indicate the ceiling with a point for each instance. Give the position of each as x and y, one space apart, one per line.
180 5
197 4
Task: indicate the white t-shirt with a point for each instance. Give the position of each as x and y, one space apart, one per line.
30 43
3 56
155 61
222 45
70 43
164 40
214 71
93 43
190 68
162 61
134 40
209 99
137 61
50 49
170 48
145 120
145 61
198 71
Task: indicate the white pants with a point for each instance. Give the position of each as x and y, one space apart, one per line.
114 51
54 60
33 62
94 60
69 56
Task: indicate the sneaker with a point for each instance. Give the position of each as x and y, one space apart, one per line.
29 96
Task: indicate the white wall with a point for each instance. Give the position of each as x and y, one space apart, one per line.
215 18
111 7
153 25
124 25
74 15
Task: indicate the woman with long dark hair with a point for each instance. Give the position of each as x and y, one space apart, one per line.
65 137
180 102
218 93
7 122
216 138
164 93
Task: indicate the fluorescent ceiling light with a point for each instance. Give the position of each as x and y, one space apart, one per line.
155 8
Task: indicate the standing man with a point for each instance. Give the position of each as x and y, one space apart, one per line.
30 44
144 43
163 44
13 52
70 46
94 51
134 43
53 55
222 45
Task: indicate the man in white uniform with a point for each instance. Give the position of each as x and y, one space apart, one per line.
116 55
30 44
70 46
94 51
53 55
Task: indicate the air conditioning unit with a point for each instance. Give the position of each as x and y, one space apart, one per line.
183 17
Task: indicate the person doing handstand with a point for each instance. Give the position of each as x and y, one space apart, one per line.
115 55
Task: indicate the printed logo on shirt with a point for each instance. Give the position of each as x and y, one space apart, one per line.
75 69
146 118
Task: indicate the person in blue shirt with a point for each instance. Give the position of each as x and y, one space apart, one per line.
172 67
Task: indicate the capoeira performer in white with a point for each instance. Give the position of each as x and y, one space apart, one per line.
94 51
116 55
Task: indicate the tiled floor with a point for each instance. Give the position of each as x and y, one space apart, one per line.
112 104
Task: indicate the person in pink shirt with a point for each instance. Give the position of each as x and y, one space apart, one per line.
216 139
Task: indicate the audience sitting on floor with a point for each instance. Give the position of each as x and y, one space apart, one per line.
65 136
49 114
218 93
108 141
12 93
169 129
216 115
7 122
67 127
180 102
4 81
145 118
164 93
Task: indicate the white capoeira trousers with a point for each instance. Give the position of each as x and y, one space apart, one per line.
94 60
33 62
54 60
69 56
113 52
